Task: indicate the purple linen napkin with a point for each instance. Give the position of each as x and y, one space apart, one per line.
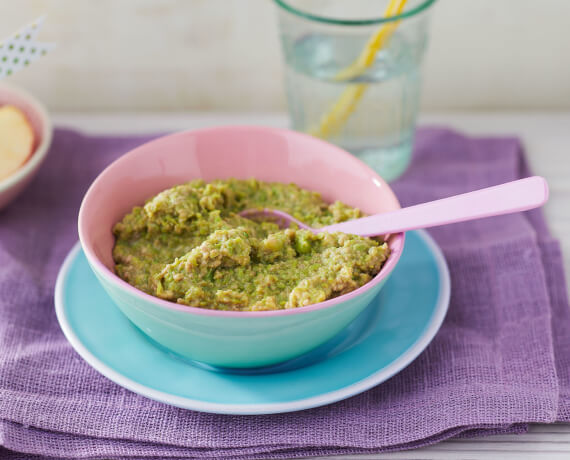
500 360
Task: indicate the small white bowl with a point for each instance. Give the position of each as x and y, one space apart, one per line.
38 117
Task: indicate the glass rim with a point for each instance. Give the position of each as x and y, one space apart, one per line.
353 22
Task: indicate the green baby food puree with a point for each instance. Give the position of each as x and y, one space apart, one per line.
189 245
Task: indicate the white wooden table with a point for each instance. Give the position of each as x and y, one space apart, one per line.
547 141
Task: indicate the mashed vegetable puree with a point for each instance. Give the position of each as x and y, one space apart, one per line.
189 245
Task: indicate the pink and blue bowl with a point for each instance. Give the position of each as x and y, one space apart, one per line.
222 338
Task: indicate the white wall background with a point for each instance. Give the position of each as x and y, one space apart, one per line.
225 54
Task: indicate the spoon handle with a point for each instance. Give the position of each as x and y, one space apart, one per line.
519 195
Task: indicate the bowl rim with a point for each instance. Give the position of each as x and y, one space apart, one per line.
101 269
41 150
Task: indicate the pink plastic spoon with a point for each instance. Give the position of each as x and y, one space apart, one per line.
519 195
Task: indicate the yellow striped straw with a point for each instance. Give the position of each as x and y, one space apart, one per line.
334 119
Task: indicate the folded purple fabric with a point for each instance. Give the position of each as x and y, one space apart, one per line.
500 360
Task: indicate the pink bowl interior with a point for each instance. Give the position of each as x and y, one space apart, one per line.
9 96
216 153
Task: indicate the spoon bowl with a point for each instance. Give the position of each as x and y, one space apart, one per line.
232 339
515 196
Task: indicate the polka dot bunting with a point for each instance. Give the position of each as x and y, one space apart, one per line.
20 49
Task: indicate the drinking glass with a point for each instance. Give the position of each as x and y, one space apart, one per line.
322 37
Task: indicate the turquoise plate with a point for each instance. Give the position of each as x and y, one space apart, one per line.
392 331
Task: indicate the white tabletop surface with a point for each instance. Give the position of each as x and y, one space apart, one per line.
546 137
